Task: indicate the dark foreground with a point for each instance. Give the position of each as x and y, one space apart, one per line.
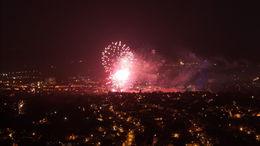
192 118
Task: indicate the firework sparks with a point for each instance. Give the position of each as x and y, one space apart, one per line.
117 59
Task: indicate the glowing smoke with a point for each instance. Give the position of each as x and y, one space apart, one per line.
126 70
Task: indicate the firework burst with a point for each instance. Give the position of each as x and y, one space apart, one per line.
117 59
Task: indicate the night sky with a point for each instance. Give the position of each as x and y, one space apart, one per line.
37 34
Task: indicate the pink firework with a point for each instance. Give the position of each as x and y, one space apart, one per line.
117 60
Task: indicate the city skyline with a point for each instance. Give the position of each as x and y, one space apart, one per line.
130 73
